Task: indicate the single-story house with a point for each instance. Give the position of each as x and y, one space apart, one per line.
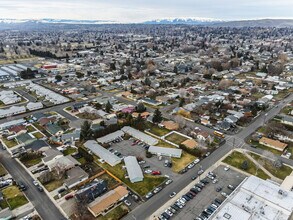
165 151
75 176
170 125
111 137
134 171
105 202
140 135
275 144
190 143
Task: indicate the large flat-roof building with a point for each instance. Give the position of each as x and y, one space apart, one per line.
102 152
140 135
165 151
133 169
255 199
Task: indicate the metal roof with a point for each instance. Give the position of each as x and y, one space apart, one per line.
140 135
102 153
165 151
133 169
110 137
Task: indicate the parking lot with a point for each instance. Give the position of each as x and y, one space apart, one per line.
203 199
126 148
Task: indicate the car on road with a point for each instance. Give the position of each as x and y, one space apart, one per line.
200 172
21 186
35 183
168 181
172 194
40 188
194 177
127 203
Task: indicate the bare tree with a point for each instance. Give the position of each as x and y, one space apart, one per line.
180 121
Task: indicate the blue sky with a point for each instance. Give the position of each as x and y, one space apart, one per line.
141 10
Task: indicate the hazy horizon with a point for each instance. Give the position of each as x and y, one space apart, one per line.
138 11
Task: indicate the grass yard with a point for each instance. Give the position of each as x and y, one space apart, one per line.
286 110
110 180
236 159
10 143
38 135
68 108
280 173
116 213
69 150
260 146
156 130
176 138
30 128
142 188
281 95
81 160
164 144
180 163
3 171
32 162
88 116
52 185
14 197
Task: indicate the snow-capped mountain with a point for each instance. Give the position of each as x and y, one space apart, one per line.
194 21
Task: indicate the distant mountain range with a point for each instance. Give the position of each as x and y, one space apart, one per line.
16 23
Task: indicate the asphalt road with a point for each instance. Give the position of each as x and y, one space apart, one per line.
44 206
145 210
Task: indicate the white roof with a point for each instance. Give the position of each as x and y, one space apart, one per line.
165 151
11 123
140 135
256 199
133 169
102 153
110 137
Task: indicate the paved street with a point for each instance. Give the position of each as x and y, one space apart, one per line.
145 210
40 200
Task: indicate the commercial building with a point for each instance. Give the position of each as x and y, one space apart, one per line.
165 151
140 135
109 200
133 169
14 110
102 153
111 137
255 198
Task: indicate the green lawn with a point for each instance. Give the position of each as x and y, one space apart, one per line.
31 159
81 160
116 213
30 128
281 95
110 180
14 197
236 159
68 108
176 138
142 188
280 173
32 162
10 143
164 144
180 163
156 130
69 150
2 170
38 135
52 185
88 116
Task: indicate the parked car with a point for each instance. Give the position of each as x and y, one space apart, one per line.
156 172
194 177
158 189
190 165
215 181
127 203
148 171
196 161
231 187
149 195
168 181
61 190
36 183
218 189
224 194
40 188
226 168
200 172
69 196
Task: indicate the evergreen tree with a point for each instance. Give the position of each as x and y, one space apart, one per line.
86 132
140 107
181 102
147 81
108 107
58 78
157 117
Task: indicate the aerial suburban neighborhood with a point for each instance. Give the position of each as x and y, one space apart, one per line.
154 120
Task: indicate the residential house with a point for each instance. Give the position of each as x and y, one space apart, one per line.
75 176
275 144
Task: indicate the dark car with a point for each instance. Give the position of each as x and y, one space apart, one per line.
21 186
61 190
218 189
40 188
194 177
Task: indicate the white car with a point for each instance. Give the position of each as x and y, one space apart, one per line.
227 168
148 171
215 181
224 194
190 165
172 194
196 161
127 203
168 182
35 183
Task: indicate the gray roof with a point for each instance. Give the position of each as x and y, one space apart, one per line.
73 135
140 135
110 137
165 151
102 153
133 169
74 176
